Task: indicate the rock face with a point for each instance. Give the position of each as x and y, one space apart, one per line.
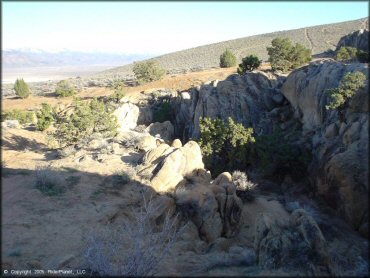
213 207
166 166
127 116
164 130
244 98
339 169
300 245
358 39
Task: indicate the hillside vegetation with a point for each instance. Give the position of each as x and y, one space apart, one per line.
317 38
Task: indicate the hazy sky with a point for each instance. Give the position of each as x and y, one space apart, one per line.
158 27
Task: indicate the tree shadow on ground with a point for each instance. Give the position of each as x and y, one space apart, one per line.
20 143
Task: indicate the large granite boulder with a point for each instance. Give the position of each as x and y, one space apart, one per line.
358 39
163 130
127 115
340 165
245 98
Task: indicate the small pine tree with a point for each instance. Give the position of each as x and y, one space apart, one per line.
249 63
148 71
21 88
227 59
284 56
45 117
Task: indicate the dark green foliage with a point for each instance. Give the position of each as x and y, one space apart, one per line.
249 63
285 56
362 56
88 117
351 54
277 156
227 59
225 146
23 117
21 88
148 71
45 117
348 86
64 89
164 112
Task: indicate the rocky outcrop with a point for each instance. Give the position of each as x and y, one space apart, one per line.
166 166
299 245
163 130
127 116
358 39
339 169
213 207
137 140
247 99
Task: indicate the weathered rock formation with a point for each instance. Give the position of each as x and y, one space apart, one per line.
213 207
299 245
339 169
358 39
163 130
247 99
127 115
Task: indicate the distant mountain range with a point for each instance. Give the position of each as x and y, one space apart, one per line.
20 58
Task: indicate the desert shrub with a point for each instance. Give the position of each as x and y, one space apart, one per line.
119 92
21 88
87 118
276 156
148 71
284 56
23 117
137 247
48 181
351 54
227 59
346 53
249 63
45 117
64 89
244 187
225 146
348 86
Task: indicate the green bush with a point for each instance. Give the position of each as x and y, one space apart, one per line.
23 117
148 71
225 146
87 118
277 157
64 89
249 63
45 117
348 53
21 88
284 56
348 86
227 59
